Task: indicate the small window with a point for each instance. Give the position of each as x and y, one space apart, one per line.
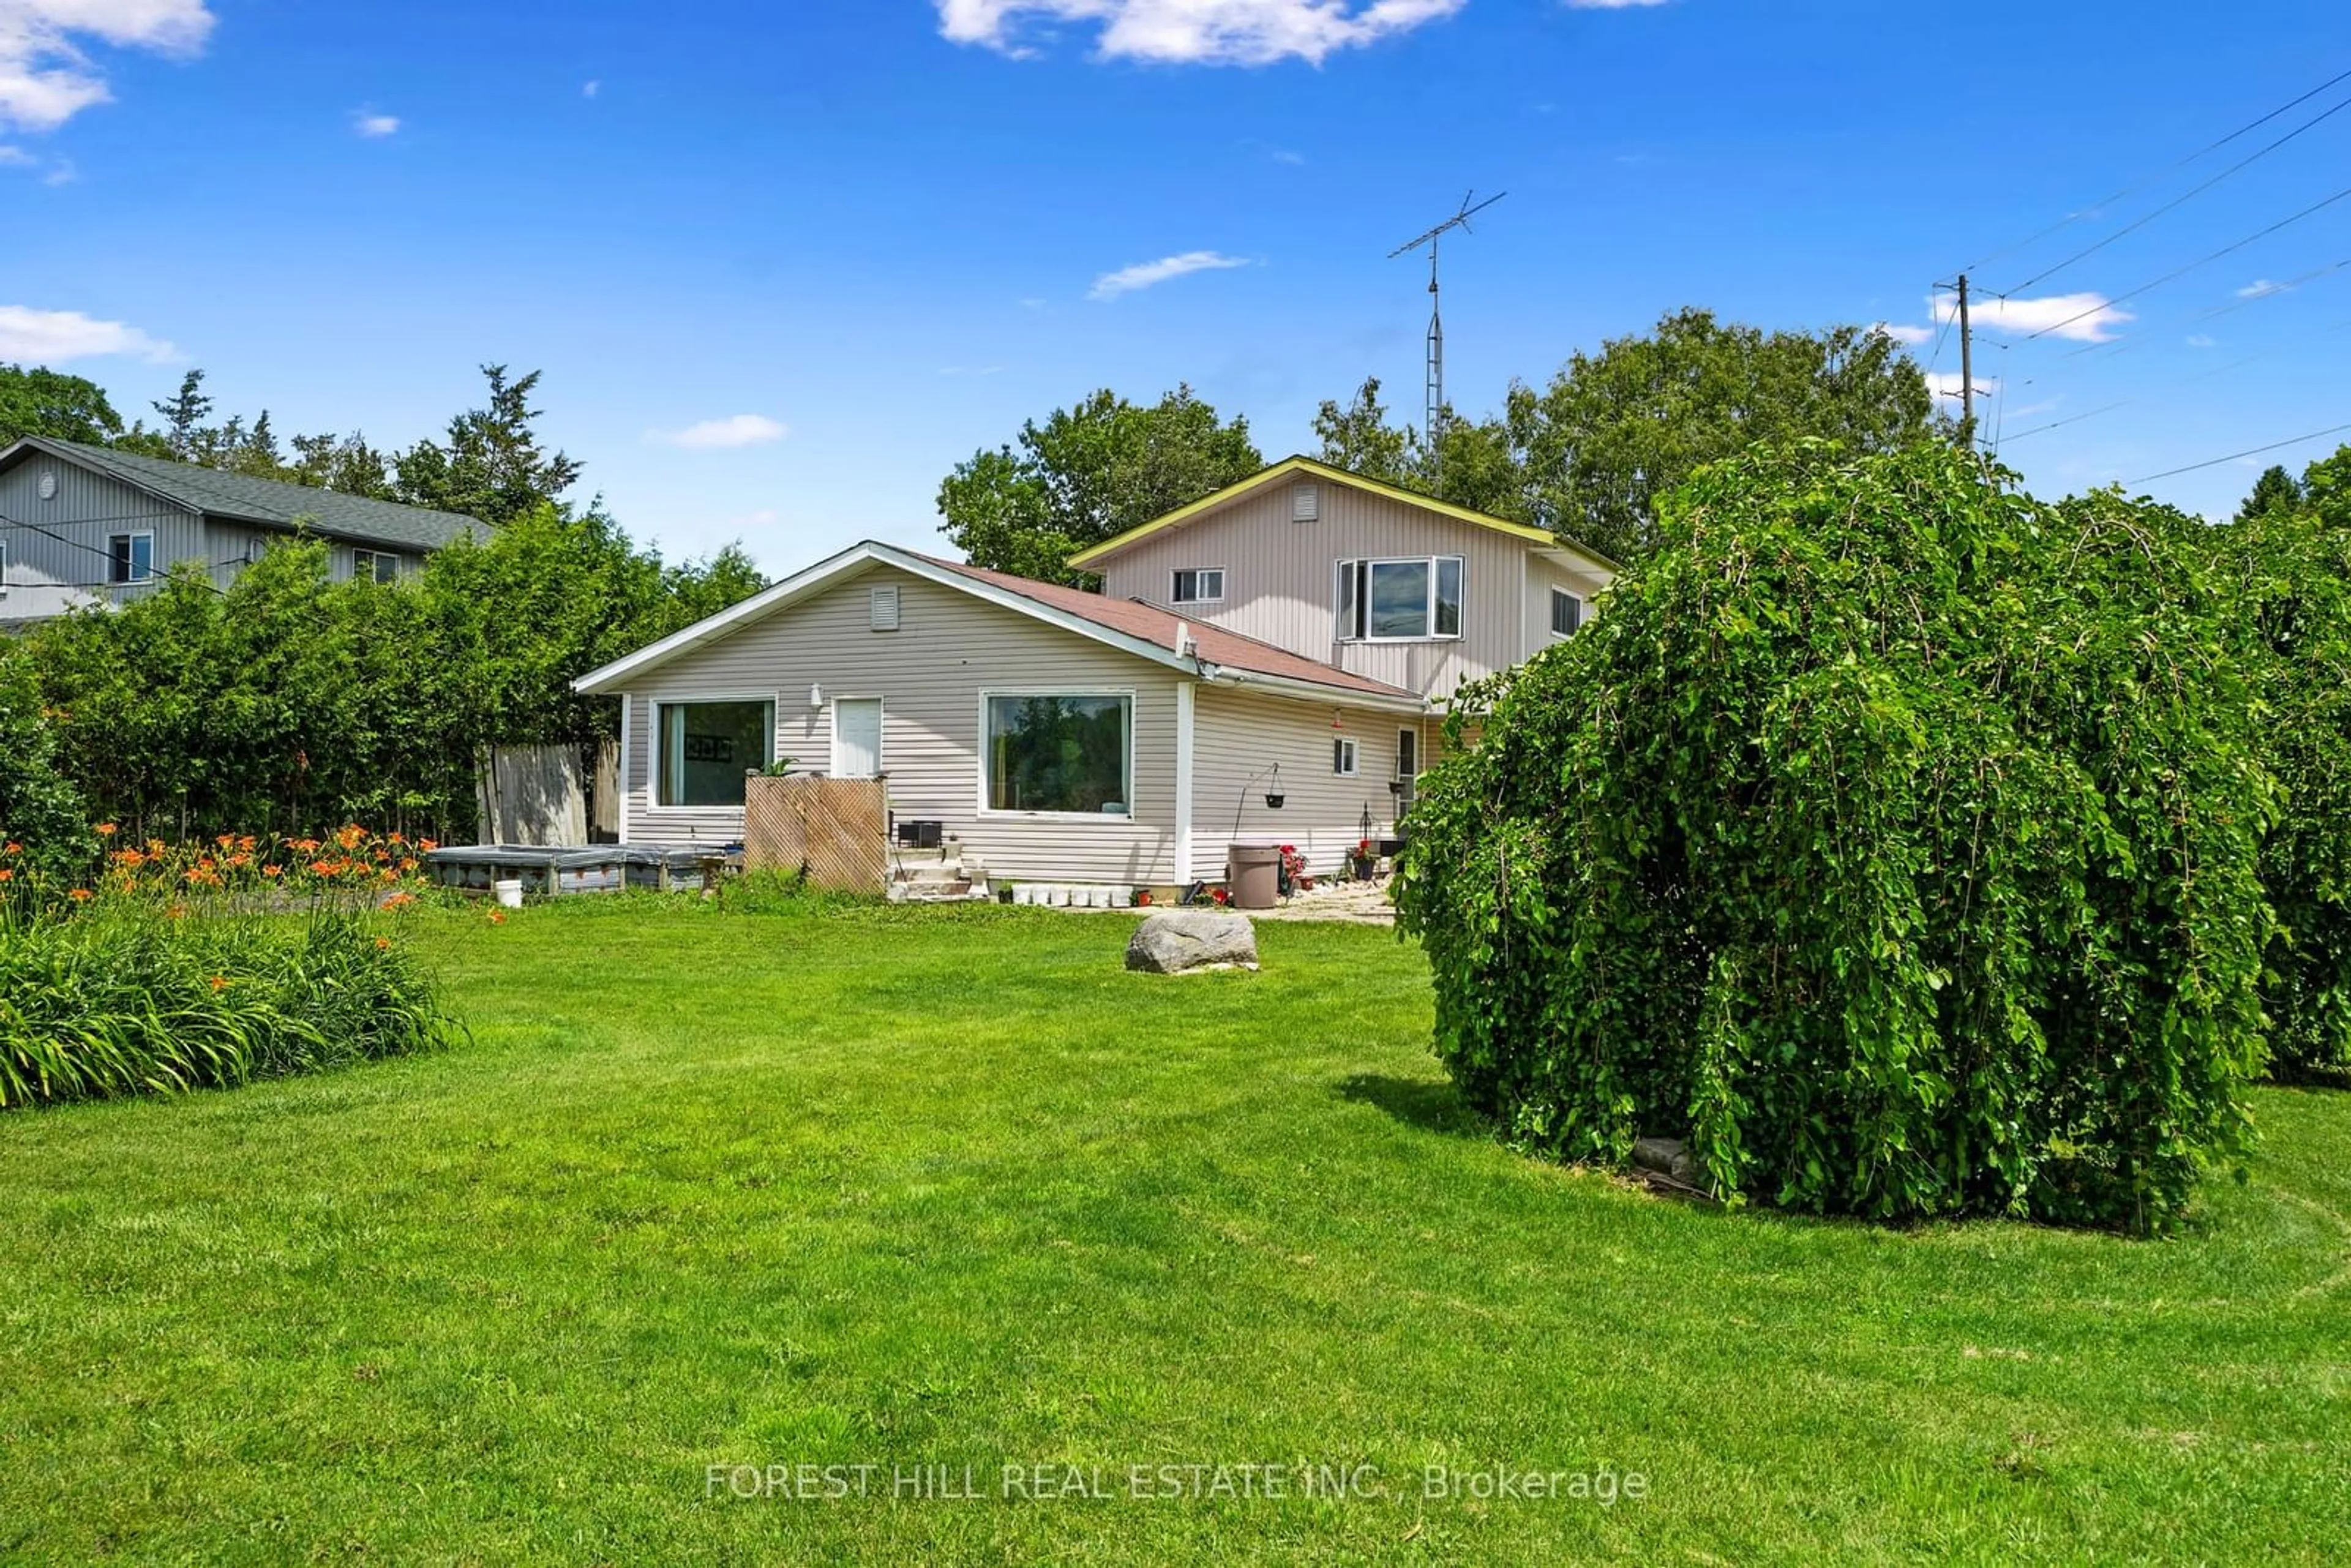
707 748
1566 613
1406 600
1407 754
882 608
1305 503
131 558
1059 752
1201 585
1342 757
4 568
375 566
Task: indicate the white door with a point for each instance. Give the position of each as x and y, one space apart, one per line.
856 738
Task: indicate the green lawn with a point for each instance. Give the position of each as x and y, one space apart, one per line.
941 1188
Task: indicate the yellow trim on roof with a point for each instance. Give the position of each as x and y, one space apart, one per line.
1085 558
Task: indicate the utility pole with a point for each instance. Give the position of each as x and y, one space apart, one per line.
1967 371
1436 386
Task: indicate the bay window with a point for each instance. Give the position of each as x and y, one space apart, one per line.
1412 599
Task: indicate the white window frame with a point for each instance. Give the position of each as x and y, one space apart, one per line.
374 572
1346 756
132 563
1176 576
881 732
1575 599
1125 819
655 741
1358 572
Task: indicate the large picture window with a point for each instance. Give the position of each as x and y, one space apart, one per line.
1060 752
707 748
1412 600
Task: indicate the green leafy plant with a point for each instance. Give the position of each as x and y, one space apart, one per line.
1892 837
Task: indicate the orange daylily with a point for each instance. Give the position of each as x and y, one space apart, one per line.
108 829
79 895
8 873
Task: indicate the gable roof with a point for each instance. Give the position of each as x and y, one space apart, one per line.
1307 467
1144 631
274 502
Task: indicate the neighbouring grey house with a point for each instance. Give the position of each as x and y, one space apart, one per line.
82 525
1306 619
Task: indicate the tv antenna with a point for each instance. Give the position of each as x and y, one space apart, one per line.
1459 220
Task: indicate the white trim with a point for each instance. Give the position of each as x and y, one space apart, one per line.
621 773
1186 694
1582 606
1370 565
881 724
1175 571
1315 691
805 584
1125 819
654 802
134 535
1346 746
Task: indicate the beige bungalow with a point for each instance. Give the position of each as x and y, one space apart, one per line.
1294 637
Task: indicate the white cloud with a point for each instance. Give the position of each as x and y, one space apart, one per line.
45 79
1145 274
1284 155
591 89
2200 340
1195 32
54 336
721 435
375 127
1912 335
2261 289
14 157
2082 317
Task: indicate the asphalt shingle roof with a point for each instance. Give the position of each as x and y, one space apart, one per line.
237 497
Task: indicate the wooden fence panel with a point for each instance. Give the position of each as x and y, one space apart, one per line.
835 829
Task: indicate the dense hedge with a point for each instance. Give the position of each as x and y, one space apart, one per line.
1892 837
2291 573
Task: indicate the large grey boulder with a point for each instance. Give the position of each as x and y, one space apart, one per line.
1183 941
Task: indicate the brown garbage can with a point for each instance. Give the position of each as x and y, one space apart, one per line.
1253 876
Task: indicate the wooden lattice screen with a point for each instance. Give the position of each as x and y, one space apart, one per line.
835 829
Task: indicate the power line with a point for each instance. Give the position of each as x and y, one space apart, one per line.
2233 456
2144 182
2181 272
2180 201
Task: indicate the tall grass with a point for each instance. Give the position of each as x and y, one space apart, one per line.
127 997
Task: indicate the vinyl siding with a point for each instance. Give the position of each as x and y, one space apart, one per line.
1544 574
1278 581
50 575
929 676
1236 735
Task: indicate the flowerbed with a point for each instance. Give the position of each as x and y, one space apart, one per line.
175 967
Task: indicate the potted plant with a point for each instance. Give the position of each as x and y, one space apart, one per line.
1363 860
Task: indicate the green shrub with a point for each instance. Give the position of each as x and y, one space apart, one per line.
125 999
2292 575
42 827
1890 835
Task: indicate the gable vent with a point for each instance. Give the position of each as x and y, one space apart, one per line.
883 606
1305 503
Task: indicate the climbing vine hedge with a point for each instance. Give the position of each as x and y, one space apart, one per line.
1892 837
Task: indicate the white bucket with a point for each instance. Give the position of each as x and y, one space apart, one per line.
509 893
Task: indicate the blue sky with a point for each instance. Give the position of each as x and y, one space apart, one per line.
783 264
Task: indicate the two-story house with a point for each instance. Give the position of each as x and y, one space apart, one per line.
82 525
1294 637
